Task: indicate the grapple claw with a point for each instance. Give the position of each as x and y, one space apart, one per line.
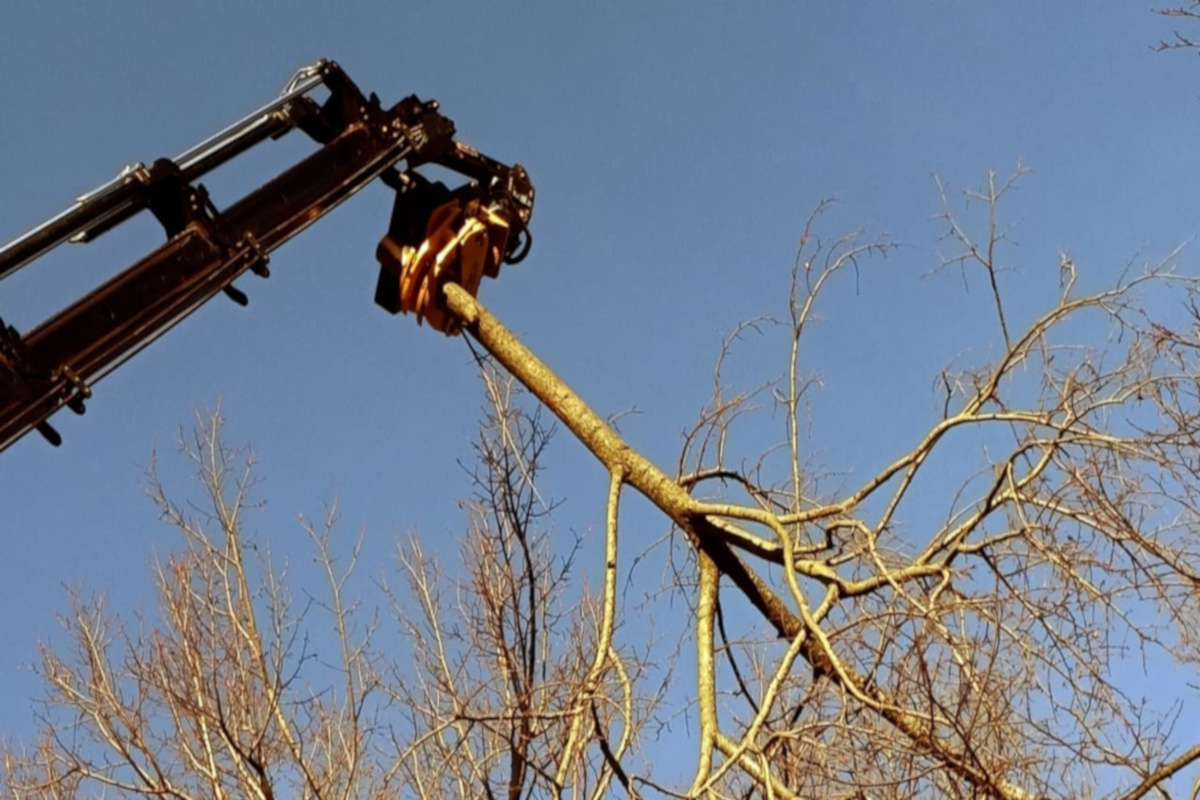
464 240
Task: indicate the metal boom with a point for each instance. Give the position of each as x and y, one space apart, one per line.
58 362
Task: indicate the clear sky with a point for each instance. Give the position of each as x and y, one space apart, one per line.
676 148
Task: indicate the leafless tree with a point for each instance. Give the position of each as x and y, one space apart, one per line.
990 647
896 637
557 707
518 688
980 650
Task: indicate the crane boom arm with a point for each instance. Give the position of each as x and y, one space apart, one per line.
59 361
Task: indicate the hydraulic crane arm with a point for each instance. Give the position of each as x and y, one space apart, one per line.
436 234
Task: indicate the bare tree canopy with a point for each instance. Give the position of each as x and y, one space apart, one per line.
987 633
225 696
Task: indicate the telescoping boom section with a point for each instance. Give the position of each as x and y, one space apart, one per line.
437 234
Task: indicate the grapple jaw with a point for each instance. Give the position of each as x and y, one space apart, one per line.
439 236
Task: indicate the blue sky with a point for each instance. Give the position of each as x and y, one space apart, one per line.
676 148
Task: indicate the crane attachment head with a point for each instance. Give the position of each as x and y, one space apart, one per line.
439 236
